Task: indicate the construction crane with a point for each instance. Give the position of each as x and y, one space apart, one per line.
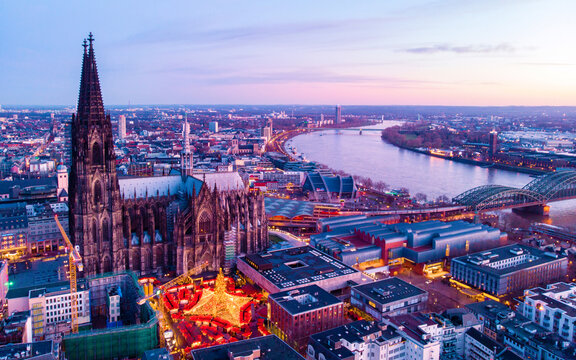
74 262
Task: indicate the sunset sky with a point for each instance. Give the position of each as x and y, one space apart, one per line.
382 52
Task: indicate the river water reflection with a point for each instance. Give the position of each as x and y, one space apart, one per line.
367 155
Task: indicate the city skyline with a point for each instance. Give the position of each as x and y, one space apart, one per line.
396 232
422 53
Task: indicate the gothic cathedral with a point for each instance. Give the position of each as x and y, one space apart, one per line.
151 224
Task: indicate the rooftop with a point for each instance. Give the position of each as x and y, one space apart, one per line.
223 180
45 350
304 299
35 278
13 216
492 310
559 296
5 186
288 208
508 259
415 325
157 354
483 339
389 290
298 266
354 332
270 347
330 183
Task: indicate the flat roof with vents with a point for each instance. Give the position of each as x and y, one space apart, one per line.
388 290
304 299
507 259
292 267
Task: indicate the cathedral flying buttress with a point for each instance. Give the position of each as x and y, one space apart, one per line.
151 224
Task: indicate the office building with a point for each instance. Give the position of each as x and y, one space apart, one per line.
552 307
420 333
267 133
44 234
388 297
450 332
359 340
494 315
213 126
298 267
508 269
262 348
121 127
493 145
297 314
338 117
284 179
480 347
517 332
13 229
44 290
531 341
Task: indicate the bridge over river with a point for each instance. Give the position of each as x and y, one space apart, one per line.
533 197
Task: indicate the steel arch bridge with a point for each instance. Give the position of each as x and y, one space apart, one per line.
555 186
560 185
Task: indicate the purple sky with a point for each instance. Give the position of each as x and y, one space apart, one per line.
452 52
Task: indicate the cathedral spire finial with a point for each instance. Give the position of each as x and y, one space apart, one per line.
90 104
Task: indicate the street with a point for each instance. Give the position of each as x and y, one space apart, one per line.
440 296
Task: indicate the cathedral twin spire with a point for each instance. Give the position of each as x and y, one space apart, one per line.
90 104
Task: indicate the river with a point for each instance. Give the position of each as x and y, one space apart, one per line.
367 155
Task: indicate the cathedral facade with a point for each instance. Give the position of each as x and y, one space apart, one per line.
151 224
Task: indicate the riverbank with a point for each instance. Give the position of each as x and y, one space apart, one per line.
367 155
277 143
482 164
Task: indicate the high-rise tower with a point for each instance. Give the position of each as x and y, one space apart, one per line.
186 157
121 126
95 208
338 119
493 143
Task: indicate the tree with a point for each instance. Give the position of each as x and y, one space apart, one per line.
420 197
380 185
443 199
368 182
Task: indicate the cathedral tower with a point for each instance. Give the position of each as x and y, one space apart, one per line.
95 208
186 159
